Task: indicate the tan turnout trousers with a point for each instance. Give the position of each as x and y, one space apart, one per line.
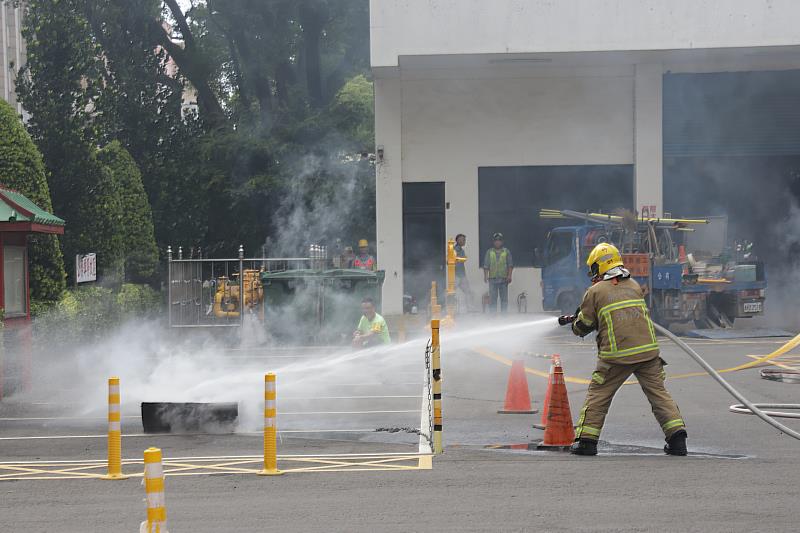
609 377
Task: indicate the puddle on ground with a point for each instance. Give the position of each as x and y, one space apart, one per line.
603 448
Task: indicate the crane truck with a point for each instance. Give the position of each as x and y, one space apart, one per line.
678 287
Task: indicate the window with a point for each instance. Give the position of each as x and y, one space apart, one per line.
510 199
559 246
14 281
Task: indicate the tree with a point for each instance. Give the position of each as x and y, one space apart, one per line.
97 219
22 169
138 238
268 78
61 86
352 113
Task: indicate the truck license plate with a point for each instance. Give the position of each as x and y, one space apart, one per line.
752 307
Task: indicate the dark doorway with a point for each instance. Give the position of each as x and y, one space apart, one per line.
424 238
510 199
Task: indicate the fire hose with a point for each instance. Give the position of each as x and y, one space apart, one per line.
746 407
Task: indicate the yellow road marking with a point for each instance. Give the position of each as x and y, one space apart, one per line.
776 363
758 360
221 465
506 361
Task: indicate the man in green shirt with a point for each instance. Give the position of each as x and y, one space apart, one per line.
372 329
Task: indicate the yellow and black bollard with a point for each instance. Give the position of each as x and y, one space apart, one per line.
270 428
436 368
154 491
436 308
114 431
450 298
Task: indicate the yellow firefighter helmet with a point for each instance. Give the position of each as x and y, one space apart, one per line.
603 258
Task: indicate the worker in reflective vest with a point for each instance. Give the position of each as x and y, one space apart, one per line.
364 261
497 269
626 342
372 329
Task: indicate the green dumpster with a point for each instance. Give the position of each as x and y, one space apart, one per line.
291 305
341 304
317 307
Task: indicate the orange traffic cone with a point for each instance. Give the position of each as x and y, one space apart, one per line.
555 361
558 431
518 398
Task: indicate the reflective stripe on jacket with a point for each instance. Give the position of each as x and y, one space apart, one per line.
625 333
498 266
364 262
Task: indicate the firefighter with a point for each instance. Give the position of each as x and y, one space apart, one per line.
626 342
364 261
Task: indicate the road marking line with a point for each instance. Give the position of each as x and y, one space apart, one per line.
775 362
508 362
783 349
229 465
52 418
151 435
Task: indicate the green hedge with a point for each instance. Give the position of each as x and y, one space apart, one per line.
22 169
139 241
87 314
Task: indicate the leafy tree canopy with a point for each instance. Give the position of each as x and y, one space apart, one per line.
21 169
239 114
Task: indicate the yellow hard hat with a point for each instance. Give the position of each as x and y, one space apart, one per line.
363 243
603 258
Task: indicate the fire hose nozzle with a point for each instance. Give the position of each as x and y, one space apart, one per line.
563 320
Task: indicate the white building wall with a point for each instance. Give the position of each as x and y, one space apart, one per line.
12 51
467 83
648 139
431 27
451 127
388 191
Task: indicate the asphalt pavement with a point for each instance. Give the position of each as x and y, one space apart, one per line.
739 475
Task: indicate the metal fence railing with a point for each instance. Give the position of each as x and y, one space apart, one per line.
205 292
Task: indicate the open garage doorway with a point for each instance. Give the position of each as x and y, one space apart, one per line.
732 147
424 239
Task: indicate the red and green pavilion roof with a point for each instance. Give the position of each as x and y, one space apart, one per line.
19 214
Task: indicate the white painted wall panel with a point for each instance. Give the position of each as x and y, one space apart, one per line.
425 27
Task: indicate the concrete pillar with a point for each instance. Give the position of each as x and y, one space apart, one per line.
648 144
389 190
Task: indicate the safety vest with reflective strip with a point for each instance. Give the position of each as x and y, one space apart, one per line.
498 266
636 309
364 262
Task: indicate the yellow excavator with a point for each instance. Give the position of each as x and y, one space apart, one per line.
227 301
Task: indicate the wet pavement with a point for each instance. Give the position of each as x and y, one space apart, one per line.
738 477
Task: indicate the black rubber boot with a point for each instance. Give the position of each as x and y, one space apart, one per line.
584 447
676 444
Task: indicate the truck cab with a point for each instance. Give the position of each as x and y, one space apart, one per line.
564 273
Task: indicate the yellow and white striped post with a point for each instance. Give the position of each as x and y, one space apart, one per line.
114 432
436 309
270 428
436 368
154 490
